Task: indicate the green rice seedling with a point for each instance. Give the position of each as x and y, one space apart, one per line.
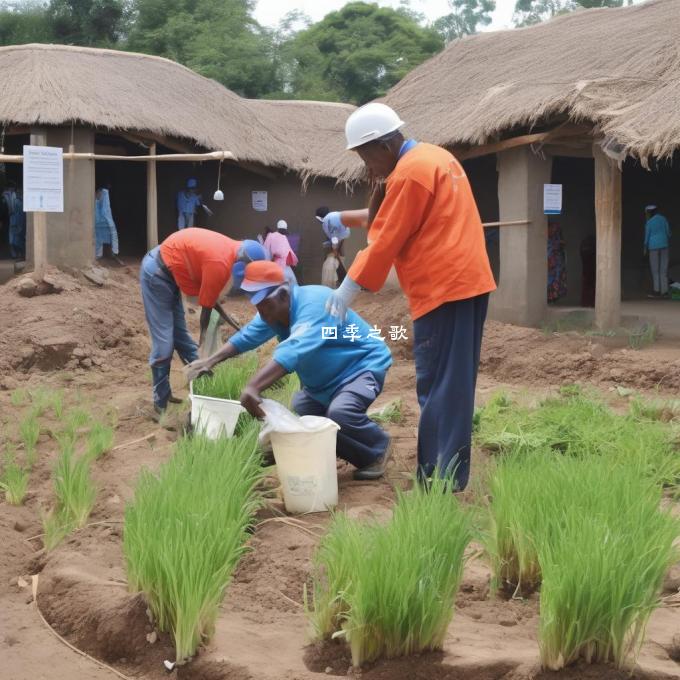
77 419
73 488
401 578
19 396
390 413
55 528
14 479
655 409
228 378
41 400
603 569
99 440
58 404
29 430
284 389
186 530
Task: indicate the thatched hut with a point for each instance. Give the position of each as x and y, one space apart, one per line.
119 104
589 100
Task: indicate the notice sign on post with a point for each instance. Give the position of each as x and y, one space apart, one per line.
43 179
260 201
552 199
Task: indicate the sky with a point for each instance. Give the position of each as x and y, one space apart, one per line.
268 12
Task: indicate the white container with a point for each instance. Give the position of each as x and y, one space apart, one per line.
214 417
305 462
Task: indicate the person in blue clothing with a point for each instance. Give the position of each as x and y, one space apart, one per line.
188 202
657 241
16 221
105 232
341 368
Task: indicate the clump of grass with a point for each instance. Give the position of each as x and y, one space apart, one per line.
58 404
99 440
29 430
390 413
646 335
186 530
390 589
41 399
77 419
19 396
73 488
580 425
228 378
603 568
655 409
55 529
14 479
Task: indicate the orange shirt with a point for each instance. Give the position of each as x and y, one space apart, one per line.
429 227
200 261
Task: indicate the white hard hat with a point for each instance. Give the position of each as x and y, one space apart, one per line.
370 122
282 224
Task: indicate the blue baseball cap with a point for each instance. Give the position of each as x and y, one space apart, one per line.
250 251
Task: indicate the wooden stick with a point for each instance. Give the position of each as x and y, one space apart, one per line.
151 202
211 156
137 441
505 224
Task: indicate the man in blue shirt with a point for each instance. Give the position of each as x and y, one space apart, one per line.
341 368
188 201
657 237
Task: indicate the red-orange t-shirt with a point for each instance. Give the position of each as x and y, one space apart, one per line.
429 227
200 261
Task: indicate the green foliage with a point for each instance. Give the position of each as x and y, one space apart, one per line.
73 488
99 440
390 589
77 419
29 430
186 529
655 409
19 396
355 54
580 425
23 22
55 529
14 478
390 413
603 566
528 12
465 17
228 378
283 390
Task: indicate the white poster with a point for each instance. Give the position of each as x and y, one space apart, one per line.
552 199
43 179
260 201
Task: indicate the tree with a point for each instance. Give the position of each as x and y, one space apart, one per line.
528 12
94 23
465 17
217 38
357 53
23 22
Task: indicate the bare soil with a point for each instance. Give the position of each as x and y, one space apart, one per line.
92 342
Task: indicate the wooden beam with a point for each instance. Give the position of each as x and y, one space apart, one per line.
561 132
69 156
608 234
39 138
151 202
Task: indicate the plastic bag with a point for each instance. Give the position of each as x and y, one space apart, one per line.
279 419
329 272
212 340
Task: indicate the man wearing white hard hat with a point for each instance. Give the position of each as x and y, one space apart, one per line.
278 245
429 228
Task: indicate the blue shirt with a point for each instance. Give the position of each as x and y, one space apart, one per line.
323 364
657 232
187 202
334 228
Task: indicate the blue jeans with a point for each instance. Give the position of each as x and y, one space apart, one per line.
165 318
360 440
446 348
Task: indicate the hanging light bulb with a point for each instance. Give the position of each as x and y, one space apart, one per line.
219 195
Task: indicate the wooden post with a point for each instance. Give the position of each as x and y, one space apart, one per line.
151 202
39 138
608 233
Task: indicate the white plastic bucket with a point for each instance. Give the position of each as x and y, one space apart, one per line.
305 462
214 417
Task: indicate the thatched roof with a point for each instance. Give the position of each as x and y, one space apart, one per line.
618 69
108 89
316 129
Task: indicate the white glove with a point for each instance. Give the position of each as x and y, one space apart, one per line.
340 300
333 226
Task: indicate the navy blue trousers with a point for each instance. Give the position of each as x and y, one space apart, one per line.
361 441
446 348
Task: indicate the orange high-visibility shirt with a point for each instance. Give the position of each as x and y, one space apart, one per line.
200 261
429 227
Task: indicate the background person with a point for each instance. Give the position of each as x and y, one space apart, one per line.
429 227
196 262
16 221
188 202
657 242
105 232
340 377
279 247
